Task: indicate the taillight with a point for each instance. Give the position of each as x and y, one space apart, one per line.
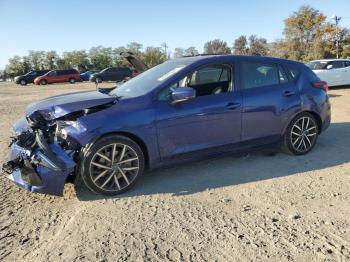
320 84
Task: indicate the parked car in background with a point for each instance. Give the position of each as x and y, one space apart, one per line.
58 76
86 75
336 72
181 110
29 77
119 74
116 74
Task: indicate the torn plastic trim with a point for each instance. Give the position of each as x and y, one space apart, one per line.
49 158
52 181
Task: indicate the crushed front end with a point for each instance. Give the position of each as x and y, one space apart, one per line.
41 156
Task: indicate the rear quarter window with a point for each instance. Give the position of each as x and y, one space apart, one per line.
294 73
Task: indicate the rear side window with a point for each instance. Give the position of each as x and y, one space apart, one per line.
294 73
71 71
282 75
256 74
336 64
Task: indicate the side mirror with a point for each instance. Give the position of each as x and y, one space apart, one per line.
329 67
182 94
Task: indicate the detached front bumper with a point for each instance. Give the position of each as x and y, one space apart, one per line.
43 169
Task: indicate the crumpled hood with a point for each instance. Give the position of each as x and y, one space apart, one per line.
58 106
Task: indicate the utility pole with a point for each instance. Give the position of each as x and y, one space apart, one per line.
336 19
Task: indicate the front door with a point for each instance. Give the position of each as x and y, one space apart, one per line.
209 123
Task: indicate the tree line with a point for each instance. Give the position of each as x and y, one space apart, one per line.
307 35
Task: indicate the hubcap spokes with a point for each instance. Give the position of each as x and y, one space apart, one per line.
114 167
303 134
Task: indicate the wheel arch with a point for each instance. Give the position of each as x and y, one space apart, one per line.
313 113
134 138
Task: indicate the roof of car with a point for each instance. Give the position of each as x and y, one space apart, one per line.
192 59
329 60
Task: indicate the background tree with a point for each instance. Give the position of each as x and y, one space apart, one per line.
257 46
51 58
179 52
304 32
37 59
117 59
15 67
77 59
240 46
153 56
165 47
135 48
101 57
191 51
216 46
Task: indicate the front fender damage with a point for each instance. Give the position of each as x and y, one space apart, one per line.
43 153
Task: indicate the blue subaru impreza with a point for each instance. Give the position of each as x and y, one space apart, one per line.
183 109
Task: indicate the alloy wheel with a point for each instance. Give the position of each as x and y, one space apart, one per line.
303 134
114 167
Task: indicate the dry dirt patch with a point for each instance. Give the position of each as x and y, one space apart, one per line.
228 209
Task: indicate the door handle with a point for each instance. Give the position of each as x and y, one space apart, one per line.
288 93
232 105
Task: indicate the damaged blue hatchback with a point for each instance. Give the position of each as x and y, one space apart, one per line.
181 110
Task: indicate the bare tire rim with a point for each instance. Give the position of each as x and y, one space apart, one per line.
114 167
303 134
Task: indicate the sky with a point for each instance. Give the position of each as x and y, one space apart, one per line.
81 24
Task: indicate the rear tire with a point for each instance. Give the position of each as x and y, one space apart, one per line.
301 134
112 165
43 82
72 80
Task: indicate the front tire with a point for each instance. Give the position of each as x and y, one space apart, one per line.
43 82
23 82
301 134
112 165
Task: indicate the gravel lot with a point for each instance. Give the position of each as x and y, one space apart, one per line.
246 208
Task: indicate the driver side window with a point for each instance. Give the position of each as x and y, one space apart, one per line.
208 80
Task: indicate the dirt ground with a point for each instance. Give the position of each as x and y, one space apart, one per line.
247 208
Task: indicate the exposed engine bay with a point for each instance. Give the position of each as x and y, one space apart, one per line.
42 151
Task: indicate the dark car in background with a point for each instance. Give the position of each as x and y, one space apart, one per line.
29 77
86 75
184 109
58 76
116 74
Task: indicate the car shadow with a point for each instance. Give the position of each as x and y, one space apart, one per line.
332 149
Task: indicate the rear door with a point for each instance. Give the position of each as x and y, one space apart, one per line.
336 73
345 73
109 74
268 101
53 76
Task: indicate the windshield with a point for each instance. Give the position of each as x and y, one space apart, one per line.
317 65
148 80
29 73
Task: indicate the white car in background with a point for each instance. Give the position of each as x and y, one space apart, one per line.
336 72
